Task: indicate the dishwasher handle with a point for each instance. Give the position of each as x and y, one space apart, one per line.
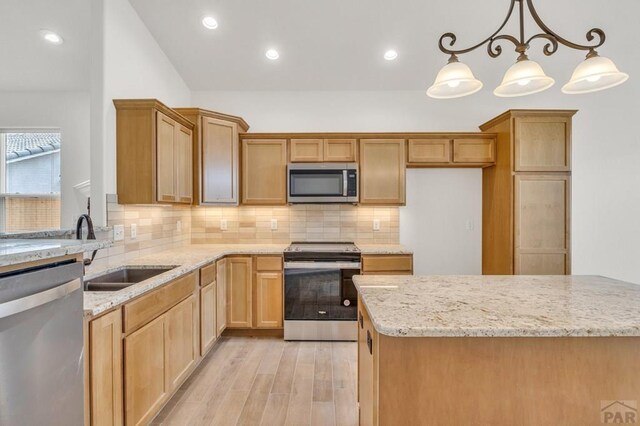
33 301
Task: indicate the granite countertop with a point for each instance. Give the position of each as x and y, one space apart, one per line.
187 259
16 251
501 306
48 233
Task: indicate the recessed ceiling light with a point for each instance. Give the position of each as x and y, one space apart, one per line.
210 22
272 54
51 37
390 55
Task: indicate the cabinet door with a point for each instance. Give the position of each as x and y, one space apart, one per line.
208 330
221 297
306 150
144 362
166 131
340 150
382 171
181 341
219 162
365 368
474 151
184 164
268 299
264 172
239 292
542 224
542 144
429 151
105 365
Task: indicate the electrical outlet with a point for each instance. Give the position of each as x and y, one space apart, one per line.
179 226
469 225
376 224
118 232
223 224
134 231
274 224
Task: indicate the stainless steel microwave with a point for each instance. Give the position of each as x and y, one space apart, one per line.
311 183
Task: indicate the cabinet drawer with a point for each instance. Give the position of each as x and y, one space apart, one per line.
207 275
269 263
429 151
149 306
474 151
396 264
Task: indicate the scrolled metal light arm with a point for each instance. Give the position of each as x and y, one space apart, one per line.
494 49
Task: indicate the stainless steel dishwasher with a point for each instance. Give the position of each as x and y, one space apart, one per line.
41 346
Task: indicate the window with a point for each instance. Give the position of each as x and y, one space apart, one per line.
29 180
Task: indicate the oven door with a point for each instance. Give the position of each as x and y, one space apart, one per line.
320 301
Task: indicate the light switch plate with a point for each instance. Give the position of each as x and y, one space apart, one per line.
223 224
376 224
469 225
274 224
118 232
134 231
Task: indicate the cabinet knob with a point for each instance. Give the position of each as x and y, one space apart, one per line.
370 342
360 320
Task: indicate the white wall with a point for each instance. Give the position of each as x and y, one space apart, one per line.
606 148
68 111
131 65
442 221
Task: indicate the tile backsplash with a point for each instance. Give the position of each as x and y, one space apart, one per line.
295 223
157 227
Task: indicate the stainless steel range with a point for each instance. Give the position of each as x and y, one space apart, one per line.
320 301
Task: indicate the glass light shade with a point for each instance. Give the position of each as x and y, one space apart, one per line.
593 74
525 77
454 81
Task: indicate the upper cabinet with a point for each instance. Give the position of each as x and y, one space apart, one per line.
542 144
382 171
323 150
264 172
216 156
465 150
154 153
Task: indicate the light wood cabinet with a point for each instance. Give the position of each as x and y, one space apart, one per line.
542 143
268 301
526 198
323 150
542 222
153 153
208 329
367 377
105 366
264 172
426 151
146 385
180 341
216 156
340 150
474 151
239 292
221 297
382 171
387 264
306 150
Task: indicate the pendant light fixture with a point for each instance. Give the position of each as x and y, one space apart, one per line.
526 77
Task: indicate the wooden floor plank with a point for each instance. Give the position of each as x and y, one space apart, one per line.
323 414
286 369
275 412
323 374
231 408
254 407
299 410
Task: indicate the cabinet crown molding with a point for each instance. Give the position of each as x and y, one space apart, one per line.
191 111
528 113
130 104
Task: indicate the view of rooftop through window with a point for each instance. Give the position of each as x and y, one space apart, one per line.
29 180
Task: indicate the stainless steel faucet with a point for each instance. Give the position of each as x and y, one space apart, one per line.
90 234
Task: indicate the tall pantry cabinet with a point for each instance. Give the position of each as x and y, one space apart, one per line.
526 213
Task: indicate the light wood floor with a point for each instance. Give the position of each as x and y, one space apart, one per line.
267 381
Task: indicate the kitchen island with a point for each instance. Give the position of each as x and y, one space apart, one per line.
526 350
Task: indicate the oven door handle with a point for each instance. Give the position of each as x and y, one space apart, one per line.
322 265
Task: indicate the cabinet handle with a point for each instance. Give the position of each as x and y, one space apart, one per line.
360 320
370 342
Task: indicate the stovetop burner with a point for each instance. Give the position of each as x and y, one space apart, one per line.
322 247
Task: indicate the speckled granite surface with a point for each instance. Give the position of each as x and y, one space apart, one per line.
17 251
48 233
187 259
501 306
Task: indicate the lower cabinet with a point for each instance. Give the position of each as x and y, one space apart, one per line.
269 295
238 292
146 385
181 342
105 363
221 296
397 264
367 378
208 316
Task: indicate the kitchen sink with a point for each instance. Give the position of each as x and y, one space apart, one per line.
122 278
